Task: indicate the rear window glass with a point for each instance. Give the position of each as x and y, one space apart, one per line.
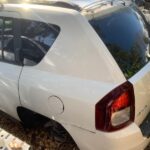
124 33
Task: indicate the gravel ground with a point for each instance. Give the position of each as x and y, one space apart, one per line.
148 148
39 138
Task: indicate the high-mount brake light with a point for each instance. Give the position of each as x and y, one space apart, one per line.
116 110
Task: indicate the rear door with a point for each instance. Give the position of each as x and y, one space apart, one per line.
35 85
10 68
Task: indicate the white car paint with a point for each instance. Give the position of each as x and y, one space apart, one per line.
77 83
142 94
9 77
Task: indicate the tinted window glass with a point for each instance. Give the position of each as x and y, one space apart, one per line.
37 38
124 33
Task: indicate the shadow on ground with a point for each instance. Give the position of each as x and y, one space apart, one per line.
39 138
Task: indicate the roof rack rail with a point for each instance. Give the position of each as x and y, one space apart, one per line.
65 5
102 3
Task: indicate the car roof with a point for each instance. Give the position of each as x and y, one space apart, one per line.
78 5
82 3
74 4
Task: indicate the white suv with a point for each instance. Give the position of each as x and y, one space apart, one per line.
83 64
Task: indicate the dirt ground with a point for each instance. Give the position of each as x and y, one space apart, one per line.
39 138
148 148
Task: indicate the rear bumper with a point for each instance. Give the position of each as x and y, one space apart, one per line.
145 127
129 138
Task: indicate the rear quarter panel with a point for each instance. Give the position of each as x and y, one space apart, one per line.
78 69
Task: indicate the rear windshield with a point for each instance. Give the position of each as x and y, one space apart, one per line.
124 33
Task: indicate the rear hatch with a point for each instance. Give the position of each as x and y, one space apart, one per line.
124 32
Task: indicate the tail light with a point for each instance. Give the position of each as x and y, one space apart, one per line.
116 110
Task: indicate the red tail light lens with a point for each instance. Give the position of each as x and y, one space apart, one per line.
121 103
116 110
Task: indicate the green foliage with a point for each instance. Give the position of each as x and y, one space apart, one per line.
130 62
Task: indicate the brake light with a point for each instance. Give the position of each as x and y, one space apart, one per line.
121 102
116 110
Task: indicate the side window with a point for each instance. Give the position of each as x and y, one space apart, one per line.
37 38
8 41
7 53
